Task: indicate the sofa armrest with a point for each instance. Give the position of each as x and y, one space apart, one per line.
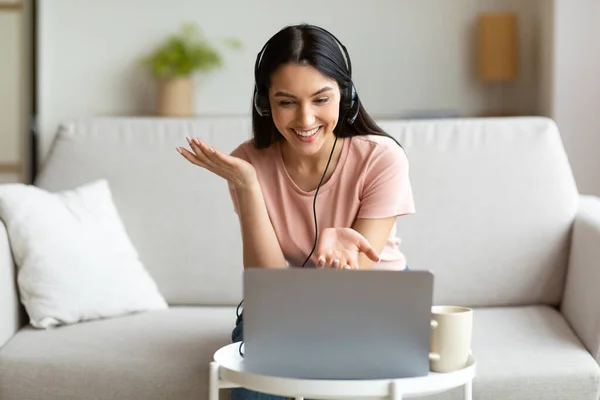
581 300
11 318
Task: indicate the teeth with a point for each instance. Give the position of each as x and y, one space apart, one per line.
307 133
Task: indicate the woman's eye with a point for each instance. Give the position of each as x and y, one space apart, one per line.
288 103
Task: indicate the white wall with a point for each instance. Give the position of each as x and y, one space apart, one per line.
546 60
408 56
575 104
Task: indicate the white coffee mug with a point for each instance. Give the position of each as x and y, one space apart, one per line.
451 331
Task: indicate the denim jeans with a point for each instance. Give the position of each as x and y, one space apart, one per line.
247 394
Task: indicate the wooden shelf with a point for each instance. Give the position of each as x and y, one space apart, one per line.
4 6
10 168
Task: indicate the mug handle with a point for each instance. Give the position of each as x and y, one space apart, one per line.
434 356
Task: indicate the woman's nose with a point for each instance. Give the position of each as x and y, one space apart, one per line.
306 117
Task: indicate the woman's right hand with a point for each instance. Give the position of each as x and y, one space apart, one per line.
238 172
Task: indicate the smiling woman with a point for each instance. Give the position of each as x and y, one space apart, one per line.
314 147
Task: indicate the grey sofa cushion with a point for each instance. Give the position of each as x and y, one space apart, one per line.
530 353
495 202
153 355
10 318
179 217
523 354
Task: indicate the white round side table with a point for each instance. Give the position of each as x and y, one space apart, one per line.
227 371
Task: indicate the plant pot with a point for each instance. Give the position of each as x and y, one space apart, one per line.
175 97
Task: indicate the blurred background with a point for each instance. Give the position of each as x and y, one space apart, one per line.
66 59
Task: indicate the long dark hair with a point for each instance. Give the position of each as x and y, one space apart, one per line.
307 45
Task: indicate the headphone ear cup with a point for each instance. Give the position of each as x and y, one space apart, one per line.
261 105
347 101
352 97
351 104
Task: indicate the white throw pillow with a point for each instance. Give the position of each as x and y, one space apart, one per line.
74 258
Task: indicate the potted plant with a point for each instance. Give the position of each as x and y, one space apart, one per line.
174 63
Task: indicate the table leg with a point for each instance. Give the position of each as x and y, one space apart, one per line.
213 381
395 393
468 390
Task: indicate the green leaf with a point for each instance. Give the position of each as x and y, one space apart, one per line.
185 53
233 43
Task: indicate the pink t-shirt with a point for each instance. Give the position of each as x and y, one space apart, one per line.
370 180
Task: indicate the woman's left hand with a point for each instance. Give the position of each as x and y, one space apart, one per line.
340 247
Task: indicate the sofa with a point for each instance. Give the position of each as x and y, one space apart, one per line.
499 222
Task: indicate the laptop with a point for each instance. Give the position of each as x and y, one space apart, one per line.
337 324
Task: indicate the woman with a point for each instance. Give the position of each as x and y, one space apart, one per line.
320 184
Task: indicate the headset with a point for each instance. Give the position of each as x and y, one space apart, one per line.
348 103
349 106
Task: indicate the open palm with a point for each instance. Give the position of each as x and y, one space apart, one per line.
340 248
236 171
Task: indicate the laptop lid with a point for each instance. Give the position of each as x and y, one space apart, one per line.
337 324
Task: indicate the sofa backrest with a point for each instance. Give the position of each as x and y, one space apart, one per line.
495 200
